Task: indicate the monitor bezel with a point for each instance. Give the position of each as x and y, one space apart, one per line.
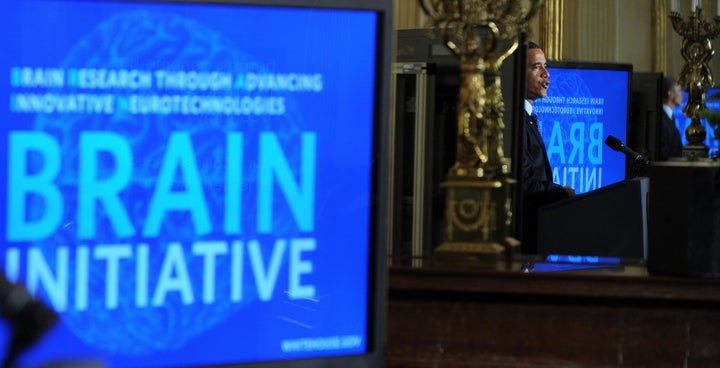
376 315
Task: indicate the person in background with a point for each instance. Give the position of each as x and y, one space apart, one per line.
538 188
670 141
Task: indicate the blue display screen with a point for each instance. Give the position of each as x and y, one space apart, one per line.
188 184
585 104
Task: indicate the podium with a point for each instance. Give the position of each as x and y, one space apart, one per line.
610 221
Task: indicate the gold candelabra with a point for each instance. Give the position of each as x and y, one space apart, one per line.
695 76
481 34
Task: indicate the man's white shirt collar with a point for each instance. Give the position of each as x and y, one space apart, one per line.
528 107
667 110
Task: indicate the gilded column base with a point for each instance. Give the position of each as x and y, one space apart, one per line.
477 216
695 150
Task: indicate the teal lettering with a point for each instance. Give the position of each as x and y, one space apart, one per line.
92 189
577 140
179 155
174 264
265 279
209 250
56 286
233 182
555 146
299 267
300 198
37 224
595 145
112 254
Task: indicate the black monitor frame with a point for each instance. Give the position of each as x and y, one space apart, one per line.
374 355
646 113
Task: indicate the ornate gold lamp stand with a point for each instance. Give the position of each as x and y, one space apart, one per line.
482 34
695 76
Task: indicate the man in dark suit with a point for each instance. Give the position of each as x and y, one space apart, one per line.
538 187
670 141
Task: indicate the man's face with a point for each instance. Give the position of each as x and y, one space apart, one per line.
537 75
676 95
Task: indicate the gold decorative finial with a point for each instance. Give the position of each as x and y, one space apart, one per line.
695 76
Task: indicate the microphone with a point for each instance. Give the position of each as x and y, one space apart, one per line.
618 145
28 318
